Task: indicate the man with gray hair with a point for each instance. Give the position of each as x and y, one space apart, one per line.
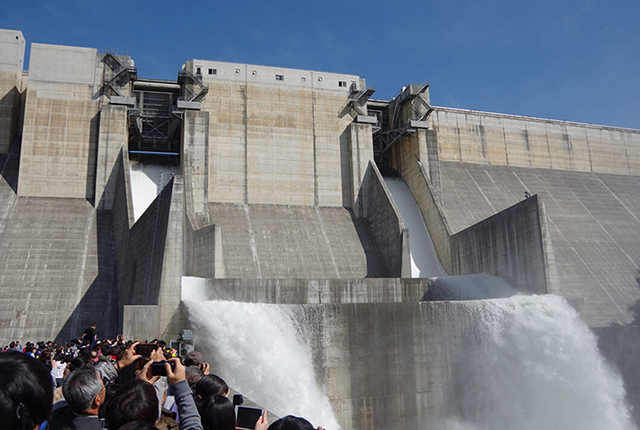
83 392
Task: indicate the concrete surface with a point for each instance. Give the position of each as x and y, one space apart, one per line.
269 241
12 47
309 291
112 140
276 145
61 123
593 222
56 268
385 224
498 139
508 244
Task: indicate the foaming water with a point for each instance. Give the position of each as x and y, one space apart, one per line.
257 349
530 362
469 287
147 180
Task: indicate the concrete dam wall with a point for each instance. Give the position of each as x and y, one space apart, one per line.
278 200
401 365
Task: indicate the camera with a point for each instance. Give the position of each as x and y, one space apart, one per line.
158 369
145 349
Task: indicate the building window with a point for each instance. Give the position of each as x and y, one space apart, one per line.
342 84
198 70
304 79
254 72
319 78
279 77
237 70
213 71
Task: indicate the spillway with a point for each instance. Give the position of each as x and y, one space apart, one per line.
424 259
530 363
147 180
518 363
259 349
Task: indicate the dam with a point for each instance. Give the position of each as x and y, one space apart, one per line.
268 186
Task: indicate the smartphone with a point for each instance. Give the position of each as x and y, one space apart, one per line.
158 368
247 417
145 349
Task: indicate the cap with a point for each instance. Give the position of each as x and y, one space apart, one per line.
193 358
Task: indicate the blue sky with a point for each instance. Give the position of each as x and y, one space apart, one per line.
567 60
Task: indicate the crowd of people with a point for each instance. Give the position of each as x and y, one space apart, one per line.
114 384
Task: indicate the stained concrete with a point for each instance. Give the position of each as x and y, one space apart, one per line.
263 241
498 139
56 268
593 222
308 291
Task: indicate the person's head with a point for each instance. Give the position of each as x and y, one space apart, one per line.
193 375
84 391
45 356
193 358
137 425
217 413
211 386
135 400
26 391
291 423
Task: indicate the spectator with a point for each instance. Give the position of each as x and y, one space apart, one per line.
211 386
194 358
26 392
137 401
90 336
84 393
292 423
194 374
217 413
137 425
58 366
13 346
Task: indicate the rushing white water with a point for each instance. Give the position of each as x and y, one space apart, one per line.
424 259
258 350
147 180
530 363
470 287
518 363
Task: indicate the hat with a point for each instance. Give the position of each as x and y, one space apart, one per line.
193 358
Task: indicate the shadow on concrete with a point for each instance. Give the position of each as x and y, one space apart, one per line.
90 187
10 164
376 267
345 168
100 301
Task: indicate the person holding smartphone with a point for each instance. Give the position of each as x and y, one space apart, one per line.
218 413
